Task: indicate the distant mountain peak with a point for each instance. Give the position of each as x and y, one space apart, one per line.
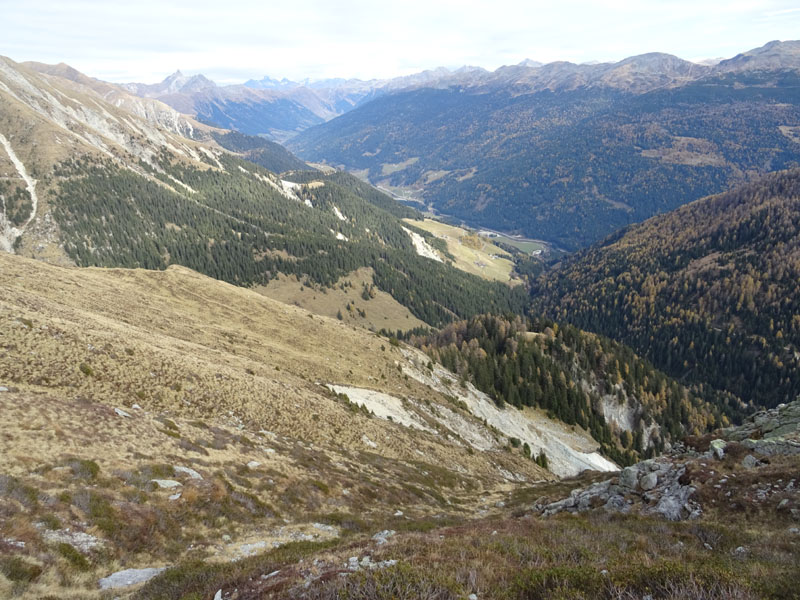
774 55
533 64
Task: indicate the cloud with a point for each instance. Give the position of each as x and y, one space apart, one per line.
239 39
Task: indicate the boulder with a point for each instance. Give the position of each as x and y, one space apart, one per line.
187 471
750 462
718 448
166 484
649 481
128 577
629 477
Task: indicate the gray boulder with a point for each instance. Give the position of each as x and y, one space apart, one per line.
649 481
750 462
128 577
629 477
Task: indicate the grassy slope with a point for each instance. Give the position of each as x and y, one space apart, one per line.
381 312
473 254
223 376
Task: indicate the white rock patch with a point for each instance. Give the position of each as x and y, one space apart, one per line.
128 577
9 233
383 405
568 453
422 247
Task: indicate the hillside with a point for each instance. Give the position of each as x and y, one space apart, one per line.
153 416
569 153
708 292
630 408
115 188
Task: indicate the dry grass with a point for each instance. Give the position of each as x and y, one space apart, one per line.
595 556
213 378
378 312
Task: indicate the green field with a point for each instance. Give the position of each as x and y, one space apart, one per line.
474 254
525 245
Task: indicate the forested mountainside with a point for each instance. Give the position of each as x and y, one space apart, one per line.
270 155
555 154
116 189
709 292
627 405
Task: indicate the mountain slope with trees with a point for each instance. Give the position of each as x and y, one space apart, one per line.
570 153
627 405
119 190
707 292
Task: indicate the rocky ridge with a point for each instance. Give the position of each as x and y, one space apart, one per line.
694 475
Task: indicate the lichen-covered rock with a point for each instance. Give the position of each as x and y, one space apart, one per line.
750 462
649 481
629 477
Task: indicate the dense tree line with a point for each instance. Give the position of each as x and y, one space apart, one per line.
571 374
260 151
16 202
237 225
709 292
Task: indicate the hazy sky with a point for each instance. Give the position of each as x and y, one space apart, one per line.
234 40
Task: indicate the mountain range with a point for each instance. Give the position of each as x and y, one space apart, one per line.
228 373
568 153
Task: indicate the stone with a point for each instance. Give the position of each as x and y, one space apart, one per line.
381 536
3 389
629 477
166 484
187 471
253 464
128 577
783 504
673 500
718 448
749 462
649 481
616 503
218 595
79 540
175 496
121 412
472 597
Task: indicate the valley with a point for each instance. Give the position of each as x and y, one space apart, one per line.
236 370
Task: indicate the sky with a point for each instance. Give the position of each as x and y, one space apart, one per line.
231 41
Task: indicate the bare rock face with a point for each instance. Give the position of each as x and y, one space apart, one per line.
648 482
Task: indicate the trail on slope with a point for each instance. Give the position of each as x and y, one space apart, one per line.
9 233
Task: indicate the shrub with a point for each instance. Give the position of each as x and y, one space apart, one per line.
17 569
73 557
84 468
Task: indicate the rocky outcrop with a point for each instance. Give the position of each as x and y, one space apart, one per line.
650 487
664 486
780 424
